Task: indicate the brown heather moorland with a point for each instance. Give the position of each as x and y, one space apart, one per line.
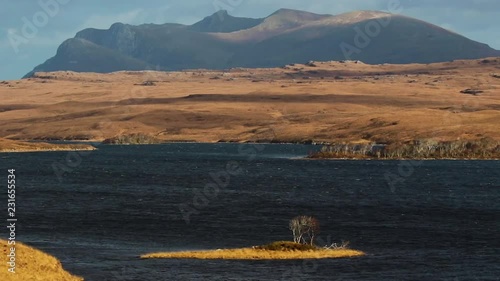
324 102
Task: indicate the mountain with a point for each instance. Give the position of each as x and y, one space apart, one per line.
286 36
223 22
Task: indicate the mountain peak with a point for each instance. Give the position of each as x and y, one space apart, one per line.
287 18
366 14
289 14
218 16
284 11
222 22
221 13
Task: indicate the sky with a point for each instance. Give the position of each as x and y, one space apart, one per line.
31 30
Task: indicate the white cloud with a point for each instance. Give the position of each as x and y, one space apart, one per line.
102 21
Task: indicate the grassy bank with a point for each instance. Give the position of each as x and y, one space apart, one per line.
275 251
422 149
32 264
18 146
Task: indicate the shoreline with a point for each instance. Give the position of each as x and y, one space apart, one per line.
45 150
31 263
402 159
286 251
15 146
84 145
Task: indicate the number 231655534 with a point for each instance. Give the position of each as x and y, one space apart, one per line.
11 193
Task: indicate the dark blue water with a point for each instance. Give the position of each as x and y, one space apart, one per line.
99 211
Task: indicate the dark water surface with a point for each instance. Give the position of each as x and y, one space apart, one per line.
440 222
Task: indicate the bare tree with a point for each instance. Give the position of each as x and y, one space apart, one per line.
304 229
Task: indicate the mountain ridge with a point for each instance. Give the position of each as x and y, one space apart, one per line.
286 36
222 21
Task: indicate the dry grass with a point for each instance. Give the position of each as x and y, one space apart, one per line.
33 265
291 251
379 103
18 146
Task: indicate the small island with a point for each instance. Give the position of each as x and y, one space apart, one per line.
304 230
281 250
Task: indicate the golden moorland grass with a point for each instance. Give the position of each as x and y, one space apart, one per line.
332 102
290 251
32 264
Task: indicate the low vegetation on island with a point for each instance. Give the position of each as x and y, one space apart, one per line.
485 148
304 229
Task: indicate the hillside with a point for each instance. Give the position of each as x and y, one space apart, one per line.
287 36
321 101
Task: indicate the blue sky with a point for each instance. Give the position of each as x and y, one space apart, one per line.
476 19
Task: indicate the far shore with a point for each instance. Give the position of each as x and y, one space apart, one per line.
12 146
44 150
397 159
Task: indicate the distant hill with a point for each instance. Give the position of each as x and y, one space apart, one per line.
287 36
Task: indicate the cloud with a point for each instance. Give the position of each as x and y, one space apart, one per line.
104 21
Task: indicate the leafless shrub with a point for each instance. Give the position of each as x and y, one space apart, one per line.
304 229
147 83
473 92
335 246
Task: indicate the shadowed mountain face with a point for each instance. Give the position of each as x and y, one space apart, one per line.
287 36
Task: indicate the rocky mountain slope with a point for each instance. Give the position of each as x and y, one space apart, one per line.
287 36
